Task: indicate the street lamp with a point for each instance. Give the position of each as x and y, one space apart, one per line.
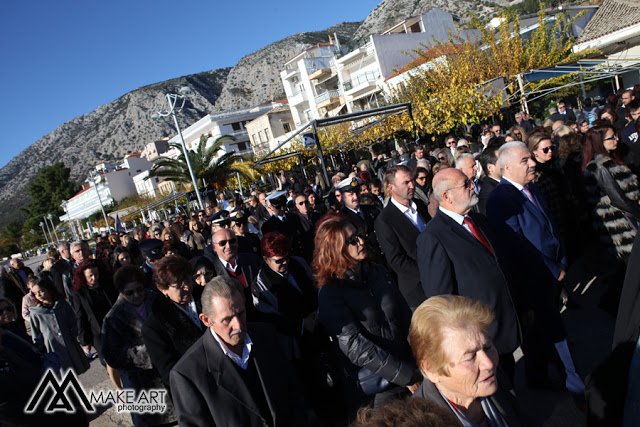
64 205
47 225
95 186
53 228
45 233
169 109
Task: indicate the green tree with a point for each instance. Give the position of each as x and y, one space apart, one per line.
48 189
207 169
11 235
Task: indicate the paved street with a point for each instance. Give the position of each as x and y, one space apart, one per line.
590 330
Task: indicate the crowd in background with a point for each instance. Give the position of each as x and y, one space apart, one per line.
414 272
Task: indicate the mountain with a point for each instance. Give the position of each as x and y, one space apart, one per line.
125 125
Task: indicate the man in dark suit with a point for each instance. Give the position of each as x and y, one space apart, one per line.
63 266
489 163
516 209
284 223
362 216
235 374
563 114
458 254
228 262
397 228
308 219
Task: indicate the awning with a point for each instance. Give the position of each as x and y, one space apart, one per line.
589 68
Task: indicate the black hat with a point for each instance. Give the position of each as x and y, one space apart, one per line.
151 248
239 217
219 218
279 198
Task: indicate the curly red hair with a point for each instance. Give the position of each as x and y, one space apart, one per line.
79 281
275 245
331 258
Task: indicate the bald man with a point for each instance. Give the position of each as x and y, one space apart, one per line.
458 253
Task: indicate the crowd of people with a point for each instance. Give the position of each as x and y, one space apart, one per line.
401 289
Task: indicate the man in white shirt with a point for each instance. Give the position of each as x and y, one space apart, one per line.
235 374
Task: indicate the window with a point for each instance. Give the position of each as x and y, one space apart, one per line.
286 127
157 180
235 126
242 146
253 138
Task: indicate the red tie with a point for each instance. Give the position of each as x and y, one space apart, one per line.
478 234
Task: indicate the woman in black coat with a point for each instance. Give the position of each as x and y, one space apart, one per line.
362 308
173 324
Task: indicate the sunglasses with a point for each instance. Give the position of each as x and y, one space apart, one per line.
281 260
4 310
302 203
354 239
131 292
208 275
611 138
223 243
552 147
442 158
467 184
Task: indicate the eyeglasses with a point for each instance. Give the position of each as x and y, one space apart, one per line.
467 184
545 150
354 239
7 309
611 138
186 285
130 293
281 260
223 243
302 203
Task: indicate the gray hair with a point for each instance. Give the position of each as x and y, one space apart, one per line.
63 245
220 286
76 243
504 153
462 157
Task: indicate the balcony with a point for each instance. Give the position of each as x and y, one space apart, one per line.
360 82
328 98
298 97
313 65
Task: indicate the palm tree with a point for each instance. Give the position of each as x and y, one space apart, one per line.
207 169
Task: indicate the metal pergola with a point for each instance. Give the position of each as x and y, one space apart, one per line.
387 112
165 200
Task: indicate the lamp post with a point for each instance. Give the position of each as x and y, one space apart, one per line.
169 109
95 186
53 228
64 205
47 225
45 233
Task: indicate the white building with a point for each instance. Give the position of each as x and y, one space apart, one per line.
154 149
224 123
311 83
115 182
271 128
362 71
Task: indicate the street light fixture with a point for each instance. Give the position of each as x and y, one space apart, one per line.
53 228
45 233
170 105
95 181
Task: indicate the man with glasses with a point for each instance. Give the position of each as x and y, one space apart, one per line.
226 260
247 242
151 250
524 124
286 223
457 255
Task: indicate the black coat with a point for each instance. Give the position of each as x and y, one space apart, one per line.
168 333
208 389
290 227
90 307
397 238
488 184
366 226
502 399
61 268
453 261
370 321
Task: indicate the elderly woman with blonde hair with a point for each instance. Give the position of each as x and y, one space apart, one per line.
454 352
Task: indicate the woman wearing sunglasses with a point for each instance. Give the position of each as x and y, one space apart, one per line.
173 324
555 188
612 192
360 305
122 343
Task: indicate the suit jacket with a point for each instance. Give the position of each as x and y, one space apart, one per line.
290 227
207 389
488 184
366 226
529 227
397 238
453 261
569 116
61 268
502 399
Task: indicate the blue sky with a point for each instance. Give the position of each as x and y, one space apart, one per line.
64 59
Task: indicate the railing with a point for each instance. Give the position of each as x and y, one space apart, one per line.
369 76
327 95
315 64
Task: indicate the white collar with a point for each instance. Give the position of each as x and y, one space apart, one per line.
453 215
228 265
243 361
515 184
413 208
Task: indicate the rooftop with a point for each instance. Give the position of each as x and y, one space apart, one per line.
612 16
